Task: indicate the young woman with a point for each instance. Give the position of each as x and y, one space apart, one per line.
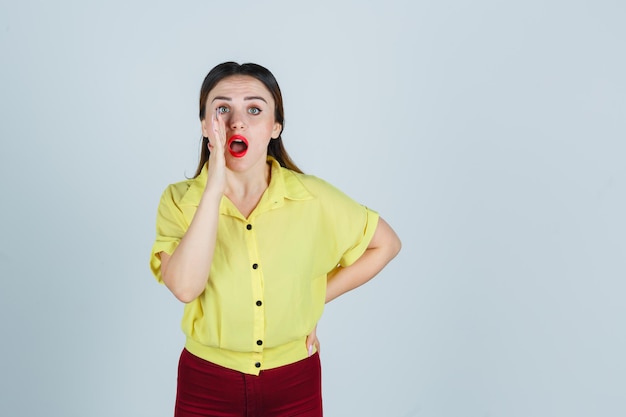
255 248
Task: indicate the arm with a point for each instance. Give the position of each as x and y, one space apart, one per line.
383 247
185 272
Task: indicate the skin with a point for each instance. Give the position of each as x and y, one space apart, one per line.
243 105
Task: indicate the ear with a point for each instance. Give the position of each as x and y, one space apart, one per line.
276 130
205 128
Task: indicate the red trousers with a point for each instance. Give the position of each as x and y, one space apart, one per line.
209 390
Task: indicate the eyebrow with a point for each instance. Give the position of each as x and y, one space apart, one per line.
245 98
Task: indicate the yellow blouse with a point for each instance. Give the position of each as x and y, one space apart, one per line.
267 284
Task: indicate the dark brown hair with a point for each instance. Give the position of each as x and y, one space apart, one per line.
228 69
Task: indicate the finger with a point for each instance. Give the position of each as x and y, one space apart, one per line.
310 341
219 129
214 121
209 136
214 139
221 126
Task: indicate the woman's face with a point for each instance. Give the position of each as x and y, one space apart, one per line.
247 109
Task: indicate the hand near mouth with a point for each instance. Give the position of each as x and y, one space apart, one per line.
216 176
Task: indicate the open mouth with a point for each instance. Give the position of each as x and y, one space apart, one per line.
237 146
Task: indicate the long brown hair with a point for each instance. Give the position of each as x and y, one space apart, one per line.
275 148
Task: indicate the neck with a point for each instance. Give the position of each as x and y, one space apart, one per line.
248 184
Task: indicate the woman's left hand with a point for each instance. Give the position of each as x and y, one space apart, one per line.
311 341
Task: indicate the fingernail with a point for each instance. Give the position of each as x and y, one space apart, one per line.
310 350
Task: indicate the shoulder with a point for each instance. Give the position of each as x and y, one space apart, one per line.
178 192
316 186
178 189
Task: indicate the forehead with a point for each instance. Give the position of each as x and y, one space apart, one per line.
239 86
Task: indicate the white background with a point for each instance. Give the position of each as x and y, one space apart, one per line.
490 134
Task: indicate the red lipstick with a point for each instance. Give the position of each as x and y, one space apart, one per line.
237 146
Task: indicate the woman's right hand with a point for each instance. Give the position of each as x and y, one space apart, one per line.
185 272
216 175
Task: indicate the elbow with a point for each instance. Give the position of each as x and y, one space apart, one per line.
183 293
392 242
387 240
185 296
393 247
396 246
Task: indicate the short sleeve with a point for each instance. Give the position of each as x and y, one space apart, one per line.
347 227
364 231
170 229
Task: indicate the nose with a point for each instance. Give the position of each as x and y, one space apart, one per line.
236 120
